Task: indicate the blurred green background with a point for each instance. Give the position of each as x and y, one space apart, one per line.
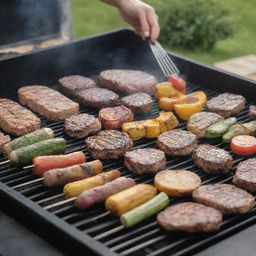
92 17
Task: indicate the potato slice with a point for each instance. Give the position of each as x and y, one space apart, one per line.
177 183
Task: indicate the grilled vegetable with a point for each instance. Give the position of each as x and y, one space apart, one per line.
140 213
166 89
99 194
251 126
235 130
46 163
168 103
243 145
150 128
28 139
178 83
23 156
130 198
217 129
77 187
58 177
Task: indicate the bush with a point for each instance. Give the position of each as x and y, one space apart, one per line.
194 24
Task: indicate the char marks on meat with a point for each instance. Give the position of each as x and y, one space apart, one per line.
17 120
127 81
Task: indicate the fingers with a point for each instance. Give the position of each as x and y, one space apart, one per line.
153 24
144 25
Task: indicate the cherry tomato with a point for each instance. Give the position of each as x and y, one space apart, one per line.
243 145
178 83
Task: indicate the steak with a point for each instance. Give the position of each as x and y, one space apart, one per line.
17 120
139 103
127 81
190 217
47 102
4 139
226 104
97 97
81 125
146 160
177 142
252 112
224 197
245 176
212 159
198 122
113 118
71 85
110 144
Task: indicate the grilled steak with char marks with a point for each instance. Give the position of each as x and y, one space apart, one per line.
109 144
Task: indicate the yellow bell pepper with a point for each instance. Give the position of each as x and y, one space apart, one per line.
167 121
201 96
168 103
166 89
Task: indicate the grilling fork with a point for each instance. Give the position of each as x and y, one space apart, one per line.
164 61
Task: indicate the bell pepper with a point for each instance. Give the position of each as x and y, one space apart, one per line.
166 90
178 83
167 121
200 95
168 103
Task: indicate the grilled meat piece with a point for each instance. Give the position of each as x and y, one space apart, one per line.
47 102
127 81
17 120
252 112
97 97
226 104
3 140
198 122
81 125
139 103
212 159
177 142
146 160
71 85
190 217
225 197
110 144
245 176
113 118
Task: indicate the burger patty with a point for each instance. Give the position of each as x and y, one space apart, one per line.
190 217
139 103
146 160
81 125
198 122
127 81
245 176
252 112
71 85
97 97
212 159
225 197
177 142
109 144
226 104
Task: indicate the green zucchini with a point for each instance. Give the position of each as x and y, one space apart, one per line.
216 130
28 139
145 210
25 155
235 130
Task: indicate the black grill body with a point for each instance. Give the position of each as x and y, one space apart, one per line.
93 231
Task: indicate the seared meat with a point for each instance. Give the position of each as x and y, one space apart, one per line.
212 159
177 142
3 140
190 217
252 112
245 176
17 120
139 102
97 97
47 102
127 81
71 85
145 160
81 125
225 197
113 118
110 144
226 104
198 122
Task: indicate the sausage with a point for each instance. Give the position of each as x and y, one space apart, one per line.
77 187
99 194
62 176
46 163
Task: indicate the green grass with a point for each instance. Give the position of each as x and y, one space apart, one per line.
92 17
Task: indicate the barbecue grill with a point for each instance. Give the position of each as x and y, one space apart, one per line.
94 231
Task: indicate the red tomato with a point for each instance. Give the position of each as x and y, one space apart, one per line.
243 145
178 83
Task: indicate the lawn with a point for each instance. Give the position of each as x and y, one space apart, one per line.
92 17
